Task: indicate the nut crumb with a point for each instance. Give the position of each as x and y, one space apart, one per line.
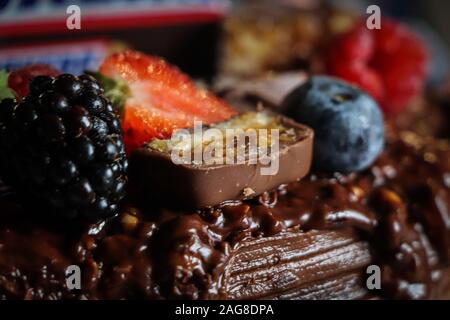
430 157
129 222
391 196
247 192
357 192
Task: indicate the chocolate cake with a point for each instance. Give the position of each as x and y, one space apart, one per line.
311 239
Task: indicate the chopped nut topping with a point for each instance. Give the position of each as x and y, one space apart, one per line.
358 192
243 125
391 196
430 157
411 139
129 221
247 192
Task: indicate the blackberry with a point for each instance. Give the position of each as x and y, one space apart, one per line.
62 146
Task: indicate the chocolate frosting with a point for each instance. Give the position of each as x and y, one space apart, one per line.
307 239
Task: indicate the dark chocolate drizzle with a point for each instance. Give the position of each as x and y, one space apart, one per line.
400 206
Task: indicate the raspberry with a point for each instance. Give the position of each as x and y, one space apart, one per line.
19 80
391 63
62 145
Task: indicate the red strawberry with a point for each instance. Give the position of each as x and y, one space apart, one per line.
162 98
19 80
390 63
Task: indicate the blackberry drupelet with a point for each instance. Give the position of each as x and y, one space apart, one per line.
62 145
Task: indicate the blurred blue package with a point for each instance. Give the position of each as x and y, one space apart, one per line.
71 57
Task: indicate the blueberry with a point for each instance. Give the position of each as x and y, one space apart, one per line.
348 124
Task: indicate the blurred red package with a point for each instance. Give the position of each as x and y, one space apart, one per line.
183 31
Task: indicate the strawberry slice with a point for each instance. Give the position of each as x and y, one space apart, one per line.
162 98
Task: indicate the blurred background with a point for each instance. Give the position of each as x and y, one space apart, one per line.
203 37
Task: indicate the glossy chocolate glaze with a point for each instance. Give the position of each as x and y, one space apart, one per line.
314 234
